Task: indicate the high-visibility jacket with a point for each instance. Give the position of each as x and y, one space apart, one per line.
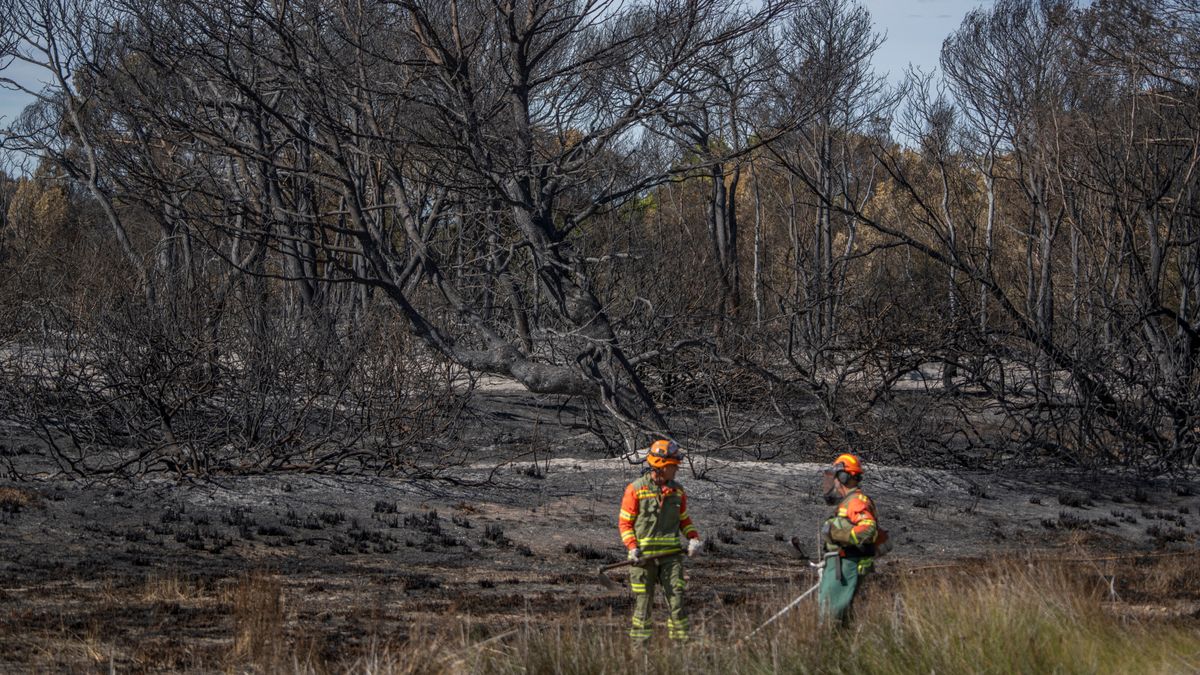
652 517
854 527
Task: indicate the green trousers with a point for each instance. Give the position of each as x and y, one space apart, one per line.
643 579
836 596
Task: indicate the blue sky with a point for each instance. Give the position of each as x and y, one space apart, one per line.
13 102
914 29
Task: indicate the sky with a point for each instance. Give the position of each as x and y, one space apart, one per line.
13 102
914 31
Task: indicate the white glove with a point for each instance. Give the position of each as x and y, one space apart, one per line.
694 546
635 554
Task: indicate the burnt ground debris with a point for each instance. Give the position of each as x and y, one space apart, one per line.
148 572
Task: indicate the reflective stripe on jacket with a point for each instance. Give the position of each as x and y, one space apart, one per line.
652 517
854 526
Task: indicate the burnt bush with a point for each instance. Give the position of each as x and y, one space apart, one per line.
586 552
1163 536
1074 500
494 533
196 390
749 521
429 522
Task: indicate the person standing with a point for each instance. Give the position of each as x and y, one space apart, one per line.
654 513
852 532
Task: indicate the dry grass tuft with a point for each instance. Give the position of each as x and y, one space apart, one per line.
258 614
1063 615
171 587
13 500
1004 617
1165 576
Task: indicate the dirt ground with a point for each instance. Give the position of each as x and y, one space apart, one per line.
153 575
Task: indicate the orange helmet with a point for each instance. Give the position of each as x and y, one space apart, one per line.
848 463
664 453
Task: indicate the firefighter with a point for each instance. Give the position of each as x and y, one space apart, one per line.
852 532
654 512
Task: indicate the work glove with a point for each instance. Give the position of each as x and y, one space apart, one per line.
827 531
694 546
635 554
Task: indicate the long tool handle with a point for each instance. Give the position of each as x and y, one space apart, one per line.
820 573
783 611
626 563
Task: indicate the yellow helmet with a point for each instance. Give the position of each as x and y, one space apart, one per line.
664 453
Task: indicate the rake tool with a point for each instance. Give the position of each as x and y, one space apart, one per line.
612 585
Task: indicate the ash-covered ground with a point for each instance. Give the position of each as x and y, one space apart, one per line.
515 533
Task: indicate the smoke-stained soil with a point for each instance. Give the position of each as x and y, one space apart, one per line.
152 574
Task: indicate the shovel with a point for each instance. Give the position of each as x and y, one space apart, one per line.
612 585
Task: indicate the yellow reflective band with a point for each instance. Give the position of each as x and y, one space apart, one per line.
625 515
689 529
